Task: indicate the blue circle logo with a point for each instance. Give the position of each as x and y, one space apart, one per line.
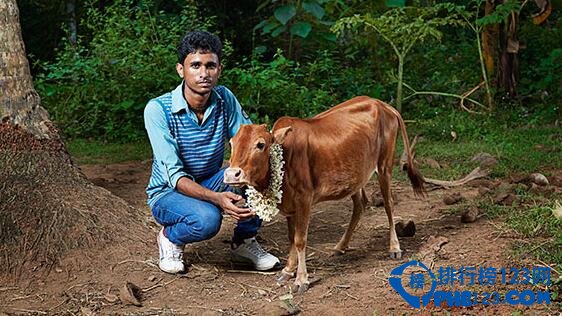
395 281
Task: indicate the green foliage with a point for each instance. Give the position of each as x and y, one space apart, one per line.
126 55
402 28
100 88
501 12
532 218
304 15
550 68
268 90
308 20
518 148
395 3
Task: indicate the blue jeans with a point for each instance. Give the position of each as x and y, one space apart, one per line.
186 219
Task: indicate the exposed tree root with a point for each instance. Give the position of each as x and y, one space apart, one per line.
48 208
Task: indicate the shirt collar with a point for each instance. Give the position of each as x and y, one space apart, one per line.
179 103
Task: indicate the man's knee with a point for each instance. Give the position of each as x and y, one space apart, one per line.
205 226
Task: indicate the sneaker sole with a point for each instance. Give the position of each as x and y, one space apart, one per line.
240 259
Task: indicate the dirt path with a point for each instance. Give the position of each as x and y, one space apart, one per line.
355 283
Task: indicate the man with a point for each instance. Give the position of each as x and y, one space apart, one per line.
187 128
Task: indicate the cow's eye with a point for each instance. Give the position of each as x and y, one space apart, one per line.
260 145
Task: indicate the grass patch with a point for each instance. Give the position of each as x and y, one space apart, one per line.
518 150
97 152
533 219
522 150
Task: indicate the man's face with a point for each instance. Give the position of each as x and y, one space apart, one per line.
200 71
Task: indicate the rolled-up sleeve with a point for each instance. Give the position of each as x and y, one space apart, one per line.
236 115
164 146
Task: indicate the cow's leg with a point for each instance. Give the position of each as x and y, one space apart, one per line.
289 270
301 233
358 208
384 182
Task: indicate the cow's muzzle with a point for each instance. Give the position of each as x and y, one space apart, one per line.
234 177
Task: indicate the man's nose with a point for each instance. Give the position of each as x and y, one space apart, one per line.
204 72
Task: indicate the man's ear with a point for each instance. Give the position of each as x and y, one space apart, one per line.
220 70
179 69
280 134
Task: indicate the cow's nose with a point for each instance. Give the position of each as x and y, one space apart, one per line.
233 175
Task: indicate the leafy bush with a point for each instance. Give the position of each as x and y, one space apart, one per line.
99 89
268 90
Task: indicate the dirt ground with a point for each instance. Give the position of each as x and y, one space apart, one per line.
355 283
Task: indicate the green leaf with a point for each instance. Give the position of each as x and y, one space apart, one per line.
278 31
328 23
260 25
262 5
285 13
330 37
269 27
301 29
395 3
314 9
501 12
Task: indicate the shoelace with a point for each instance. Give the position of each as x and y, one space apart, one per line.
173 251
256 249
176 253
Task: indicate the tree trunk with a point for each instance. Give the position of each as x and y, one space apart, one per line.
508 68
19 102
71 17
47 207
489 40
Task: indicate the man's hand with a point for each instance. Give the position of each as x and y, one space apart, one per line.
226 200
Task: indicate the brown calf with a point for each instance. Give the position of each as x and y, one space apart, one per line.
327 157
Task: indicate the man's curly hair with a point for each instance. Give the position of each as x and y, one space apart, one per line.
201 41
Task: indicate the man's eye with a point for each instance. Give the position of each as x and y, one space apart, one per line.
260 146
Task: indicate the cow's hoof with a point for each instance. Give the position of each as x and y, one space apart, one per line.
395 254
337 252
284 277
299 289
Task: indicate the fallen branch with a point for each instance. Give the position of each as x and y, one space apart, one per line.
474 174
132 260
204 307
31 311
159 285
446 95
466 94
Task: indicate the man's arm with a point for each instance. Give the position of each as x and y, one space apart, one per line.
166 153
224 200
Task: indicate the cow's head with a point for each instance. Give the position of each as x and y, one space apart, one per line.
249 160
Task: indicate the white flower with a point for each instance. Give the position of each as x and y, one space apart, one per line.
265 205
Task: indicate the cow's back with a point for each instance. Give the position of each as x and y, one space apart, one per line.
335 153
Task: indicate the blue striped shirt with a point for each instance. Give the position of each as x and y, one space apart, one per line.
181 146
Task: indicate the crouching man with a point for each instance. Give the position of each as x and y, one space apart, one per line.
187 128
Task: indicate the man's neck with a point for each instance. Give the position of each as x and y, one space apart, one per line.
198 103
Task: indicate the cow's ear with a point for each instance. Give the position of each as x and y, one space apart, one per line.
280 134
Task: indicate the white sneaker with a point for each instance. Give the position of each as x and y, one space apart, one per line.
170 255
250 251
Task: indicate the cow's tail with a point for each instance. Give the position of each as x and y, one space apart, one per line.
415 177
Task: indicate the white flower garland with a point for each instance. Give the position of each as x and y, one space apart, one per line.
265 205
